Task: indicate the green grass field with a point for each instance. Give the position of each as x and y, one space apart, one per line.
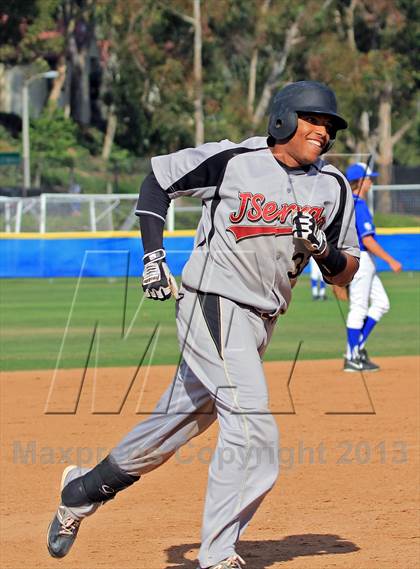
35 314
396 220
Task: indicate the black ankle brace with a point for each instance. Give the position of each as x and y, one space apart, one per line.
98 485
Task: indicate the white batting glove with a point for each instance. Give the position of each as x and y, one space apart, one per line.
158 282
306 229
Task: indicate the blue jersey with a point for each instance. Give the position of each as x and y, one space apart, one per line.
364 220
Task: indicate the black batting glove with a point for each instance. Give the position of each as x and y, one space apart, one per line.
312 237
158 282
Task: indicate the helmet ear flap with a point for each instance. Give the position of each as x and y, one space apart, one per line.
282 123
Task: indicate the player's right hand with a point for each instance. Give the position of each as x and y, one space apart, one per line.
158 282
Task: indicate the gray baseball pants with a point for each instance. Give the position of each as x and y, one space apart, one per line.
220 376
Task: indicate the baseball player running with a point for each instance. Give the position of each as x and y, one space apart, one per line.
269 204
367 296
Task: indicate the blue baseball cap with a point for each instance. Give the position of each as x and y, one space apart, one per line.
359 170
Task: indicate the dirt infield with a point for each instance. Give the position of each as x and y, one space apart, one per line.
347 496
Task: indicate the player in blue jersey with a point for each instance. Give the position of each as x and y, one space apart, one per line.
368 299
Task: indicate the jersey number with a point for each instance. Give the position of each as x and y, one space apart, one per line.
298 260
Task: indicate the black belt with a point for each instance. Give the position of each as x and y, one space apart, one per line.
263 315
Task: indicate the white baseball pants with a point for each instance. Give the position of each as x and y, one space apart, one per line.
367 294
316 274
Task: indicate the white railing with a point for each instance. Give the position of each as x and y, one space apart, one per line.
75 212
115 212
87 212
406 199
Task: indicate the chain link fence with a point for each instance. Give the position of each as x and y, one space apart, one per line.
401 198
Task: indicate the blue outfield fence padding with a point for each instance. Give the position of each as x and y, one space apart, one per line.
112 256
404 247
92 257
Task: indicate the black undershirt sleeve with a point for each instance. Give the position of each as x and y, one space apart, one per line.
151 229
152 207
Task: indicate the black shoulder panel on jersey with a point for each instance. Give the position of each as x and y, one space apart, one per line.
216 199
209 172
333 231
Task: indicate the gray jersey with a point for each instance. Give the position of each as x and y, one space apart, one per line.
244 249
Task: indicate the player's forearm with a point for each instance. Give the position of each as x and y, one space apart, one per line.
346 276
373 247
151 229
337 268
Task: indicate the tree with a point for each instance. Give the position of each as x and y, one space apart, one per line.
370 63
154 88
258 42
53 141
176 73
196 23
278 57
198 75
79 25
27 32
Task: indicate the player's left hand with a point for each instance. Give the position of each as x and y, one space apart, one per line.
395 265
306 229
341 292
158 282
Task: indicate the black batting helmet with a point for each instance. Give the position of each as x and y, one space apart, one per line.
305 97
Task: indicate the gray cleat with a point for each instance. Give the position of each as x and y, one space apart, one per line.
353 364
368 364
63 529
